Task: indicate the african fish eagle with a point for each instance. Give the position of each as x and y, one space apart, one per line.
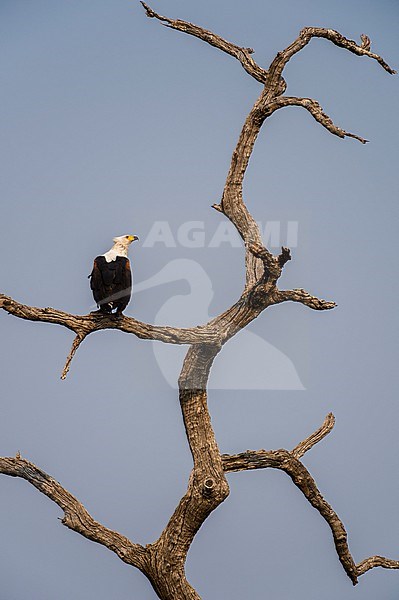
111 277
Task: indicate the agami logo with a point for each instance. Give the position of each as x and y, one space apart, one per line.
194 234
248 362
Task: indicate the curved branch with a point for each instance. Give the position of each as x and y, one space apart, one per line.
232 204
285 461
308 443
282 58
76 516
318 114
243 55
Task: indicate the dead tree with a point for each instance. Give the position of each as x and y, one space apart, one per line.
163 561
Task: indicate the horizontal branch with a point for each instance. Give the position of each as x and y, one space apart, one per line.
376 561
215 332
85 324
243 55
339 40
303 297
76 516
318 114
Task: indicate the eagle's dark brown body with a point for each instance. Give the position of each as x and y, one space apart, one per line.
111 283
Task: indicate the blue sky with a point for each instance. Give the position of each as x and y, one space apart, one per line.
112 124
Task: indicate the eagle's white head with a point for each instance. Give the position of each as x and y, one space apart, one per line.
125 240
120 247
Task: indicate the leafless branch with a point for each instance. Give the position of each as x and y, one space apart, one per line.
75 345
366 42
163 561
76 516
83 325
317 113
216 331
284 256
277 66
376 561
299 295
271 263
289 463
232 204
285 461
261 459
241 54
314 438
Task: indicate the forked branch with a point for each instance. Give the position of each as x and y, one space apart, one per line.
289 462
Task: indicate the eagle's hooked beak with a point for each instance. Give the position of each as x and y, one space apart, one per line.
132 238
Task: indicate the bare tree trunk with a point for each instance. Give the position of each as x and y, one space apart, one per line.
163 561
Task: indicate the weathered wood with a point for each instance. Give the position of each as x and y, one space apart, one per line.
163 561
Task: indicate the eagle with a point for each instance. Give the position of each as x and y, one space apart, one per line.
111 277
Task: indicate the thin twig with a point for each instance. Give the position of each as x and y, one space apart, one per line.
315 437
75 345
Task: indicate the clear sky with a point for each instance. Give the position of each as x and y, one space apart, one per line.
113 124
